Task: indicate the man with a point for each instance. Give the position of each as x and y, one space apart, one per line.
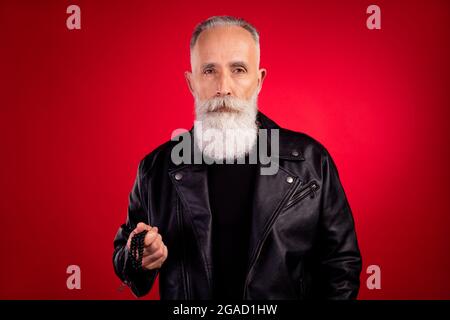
227 231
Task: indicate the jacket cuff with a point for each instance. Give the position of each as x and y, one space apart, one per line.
139 281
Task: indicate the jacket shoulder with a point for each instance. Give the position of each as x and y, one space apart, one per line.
308 146
154 159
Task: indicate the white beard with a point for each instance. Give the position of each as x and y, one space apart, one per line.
225 127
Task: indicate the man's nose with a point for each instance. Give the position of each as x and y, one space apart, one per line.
223 86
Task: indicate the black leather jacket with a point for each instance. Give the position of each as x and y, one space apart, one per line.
302 241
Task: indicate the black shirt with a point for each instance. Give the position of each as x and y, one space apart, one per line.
231 189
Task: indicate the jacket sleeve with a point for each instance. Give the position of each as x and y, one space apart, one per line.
140 282
340 261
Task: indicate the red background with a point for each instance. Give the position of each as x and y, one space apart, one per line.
80 108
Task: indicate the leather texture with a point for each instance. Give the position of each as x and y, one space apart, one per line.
303 243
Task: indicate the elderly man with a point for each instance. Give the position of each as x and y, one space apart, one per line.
221 229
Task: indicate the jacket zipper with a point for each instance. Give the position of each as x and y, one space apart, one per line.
266 233
183 251
310 189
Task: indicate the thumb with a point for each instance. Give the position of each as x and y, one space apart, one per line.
141 227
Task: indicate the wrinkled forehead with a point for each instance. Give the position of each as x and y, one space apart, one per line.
224 44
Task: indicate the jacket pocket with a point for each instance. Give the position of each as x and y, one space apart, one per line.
308 190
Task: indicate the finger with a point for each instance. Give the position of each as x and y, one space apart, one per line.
158 252
146 261
166 253
152 258
162 254
150 237
154 265
156 244
141 226
153 247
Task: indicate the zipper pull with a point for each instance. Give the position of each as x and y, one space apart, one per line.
313 188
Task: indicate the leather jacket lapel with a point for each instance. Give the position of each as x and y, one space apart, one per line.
191 184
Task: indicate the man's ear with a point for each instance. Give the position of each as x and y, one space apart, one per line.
262 76
188 76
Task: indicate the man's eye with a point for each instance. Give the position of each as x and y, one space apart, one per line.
208 71
239 70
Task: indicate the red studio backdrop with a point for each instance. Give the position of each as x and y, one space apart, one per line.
80 108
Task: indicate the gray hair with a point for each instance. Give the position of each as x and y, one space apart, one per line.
223 21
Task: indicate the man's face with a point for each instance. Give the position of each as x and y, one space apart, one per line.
225 62
225 81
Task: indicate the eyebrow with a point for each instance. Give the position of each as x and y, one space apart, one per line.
231 64
239 64
208 65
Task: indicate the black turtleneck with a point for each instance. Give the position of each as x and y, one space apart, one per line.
231 189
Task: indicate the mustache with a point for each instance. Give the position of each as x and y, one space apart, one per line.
224 104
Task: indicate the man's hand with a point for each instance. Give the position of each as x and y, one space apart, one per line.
155 251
